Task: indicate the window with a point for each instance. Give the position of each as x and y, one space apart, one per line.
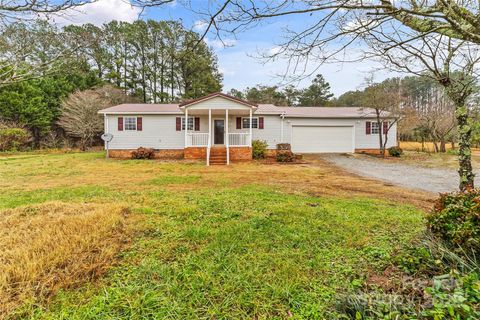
246 123
375 127
190 124
130 123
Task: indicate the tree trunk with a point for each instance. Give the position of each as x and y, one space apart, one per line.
36 138
380 133
464 152
435 145
443 143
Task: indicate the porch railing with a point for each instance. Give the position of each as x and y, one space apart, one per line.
239 139
197 139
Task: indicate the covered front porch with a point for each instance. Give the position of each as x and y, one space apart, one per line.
217 128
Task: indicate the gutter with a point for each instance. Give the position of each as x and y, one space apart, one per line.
137 112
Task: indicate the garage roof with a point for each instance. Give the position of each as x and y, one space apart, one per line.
318 112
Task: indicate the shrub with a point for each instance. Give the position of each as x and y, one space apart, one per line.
285 156
259 149
143 153
284 146
13 139
395 151
456 219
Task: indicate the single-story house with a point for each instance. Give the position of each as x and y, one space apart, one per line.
220 128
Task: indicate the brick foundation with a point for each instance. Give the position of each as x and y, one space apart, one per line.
159 154
237 154
375 152
193 153
240 154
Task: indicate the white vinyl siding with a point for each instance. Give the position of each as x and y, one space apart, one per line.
362 140
159 131
218 103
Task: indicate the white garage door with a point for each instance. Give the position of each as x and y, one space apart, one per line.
321 139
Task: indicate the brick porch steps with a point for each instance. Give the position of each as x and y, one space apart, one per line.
218 156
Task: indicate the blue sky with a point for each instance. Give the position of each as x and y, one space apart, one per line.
239 62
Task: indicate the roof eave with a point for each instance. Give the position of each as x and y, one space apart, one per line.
138 112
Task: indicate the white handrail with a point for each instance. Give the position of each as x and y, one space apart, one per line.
197 139
241 139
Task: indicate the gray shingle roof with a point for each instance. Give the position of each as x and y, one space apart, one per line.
143 108
289 112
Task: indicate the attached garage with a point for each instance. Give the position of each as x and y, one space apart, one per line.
322 139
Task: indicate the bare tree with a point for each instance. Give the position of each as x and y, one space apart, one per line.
438 38
385 99
79 117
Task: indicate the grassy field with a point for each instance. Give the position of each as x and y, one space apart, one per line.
414 155
82 237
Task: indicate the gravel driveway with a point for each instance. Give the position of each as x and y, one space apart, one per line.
428 179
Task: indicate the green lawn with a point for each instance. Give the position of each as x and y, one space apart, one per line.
214 243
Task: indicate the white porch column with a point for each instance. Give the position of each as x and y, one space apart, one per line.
209 127
227 137
209 143
251 128
186 127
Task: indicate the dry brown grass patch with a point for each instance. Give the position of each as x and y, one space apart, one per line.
55 245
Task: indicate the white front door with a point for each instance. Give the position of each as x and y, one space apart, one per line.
323 139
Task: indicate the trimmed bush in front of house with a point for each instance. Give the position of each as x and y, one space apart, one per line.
143 153
395 151
284 153
259 149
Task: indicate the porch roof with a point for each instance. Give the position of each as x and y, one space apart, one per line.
189 103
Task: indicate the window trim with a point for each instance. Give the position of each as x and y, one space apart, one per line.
125 123
378 127
182 124
253 127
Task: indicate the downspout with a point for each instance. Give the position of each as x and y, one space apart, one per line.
282 116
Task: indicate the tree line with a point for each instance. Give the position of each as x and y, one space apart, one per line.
149 61
316 94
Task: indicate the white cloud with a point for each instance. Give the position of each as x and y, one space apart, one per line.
274 50
99 12
220 44
200 25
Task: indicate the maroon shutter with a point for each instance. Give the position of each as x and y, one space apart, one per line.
139 123
197 124
260 123
385 127
368 128
120 123
178 122
239 123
